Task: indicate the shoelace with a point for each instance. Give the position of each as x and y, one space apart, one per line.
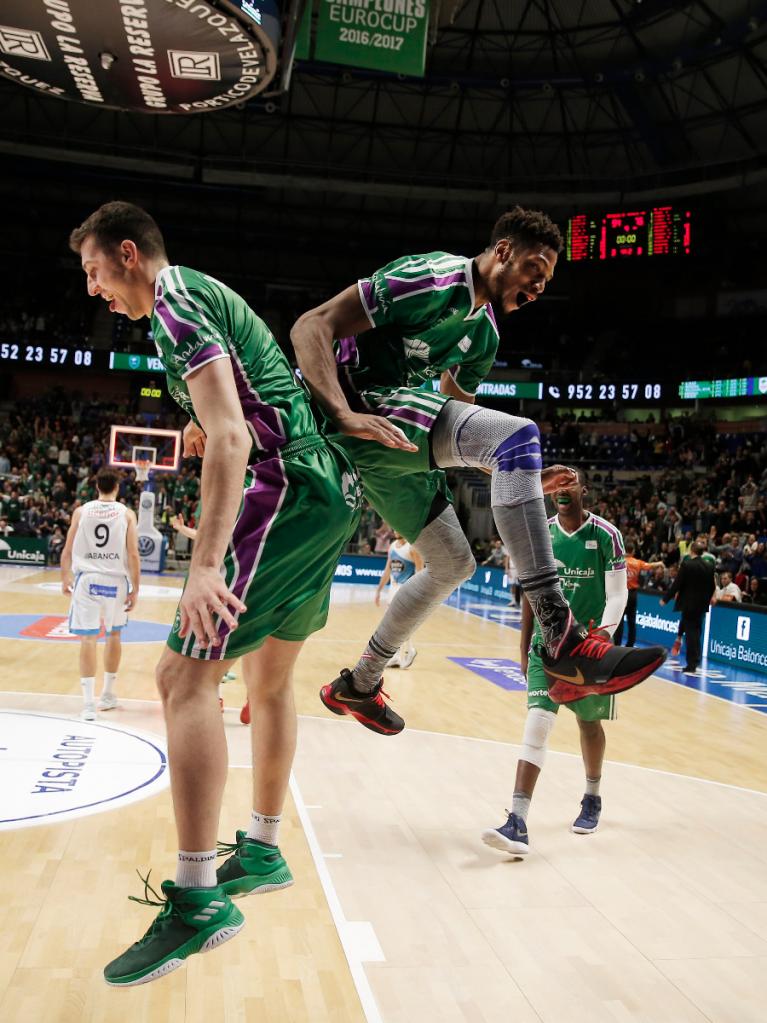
166 904
592 646
224 848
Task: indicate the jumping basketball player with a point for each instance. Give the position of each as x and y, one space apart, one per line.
402 563
100 568
278 506
432 317
591 561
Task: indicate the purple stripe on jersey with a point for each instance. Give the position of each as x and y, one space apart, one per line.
347 354
612 532
520 451
263 420
368 295
401 289
260 504
176 328
491 317
409 415
205 354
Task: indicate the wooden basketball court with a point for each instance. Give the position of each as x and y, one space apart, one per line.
399 912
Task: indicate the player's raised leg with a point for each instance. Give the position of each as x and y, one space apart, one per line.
576 661
256 864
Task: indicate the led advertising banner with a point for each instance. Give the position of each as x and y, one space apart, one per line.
735 387
656 624
151 56
738 637
384 35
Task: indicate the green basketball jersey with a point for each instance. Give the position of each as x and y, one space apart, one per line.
195 320
423 322
582 558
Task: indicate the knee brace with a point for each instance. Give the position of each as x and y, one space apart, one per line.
536 735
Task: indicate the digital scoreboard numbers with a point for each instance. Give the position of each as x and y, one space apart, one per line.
30 355
657 231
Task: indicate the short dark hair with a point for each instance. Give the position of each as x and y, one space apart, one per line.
530 227
107 481
629 546
113 222
697 548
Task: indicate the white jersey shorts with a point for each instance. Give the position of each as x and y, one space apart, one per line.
98 597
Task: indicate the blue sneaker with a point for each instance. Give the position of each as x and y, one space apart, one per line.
588 819
510 837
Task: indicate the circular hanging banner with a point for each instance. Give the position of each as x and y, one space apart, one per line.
151 56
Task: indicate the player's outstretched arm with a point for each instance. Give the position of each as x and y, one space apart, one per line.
67 577
134 563
217 406
312 336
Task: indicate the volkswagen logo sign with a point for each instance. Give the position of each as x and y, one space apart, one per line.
146 546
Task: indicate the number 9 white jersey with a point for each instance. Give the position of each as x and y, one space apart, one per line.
100 539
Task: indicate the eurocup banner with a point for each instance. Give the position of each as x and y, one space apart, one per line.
384 35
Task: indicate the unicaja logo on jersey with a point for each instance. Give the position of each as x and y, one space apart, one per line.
743 630
415 348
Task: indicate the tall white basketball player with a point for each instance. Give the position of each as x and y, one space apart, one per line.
100 568
402 562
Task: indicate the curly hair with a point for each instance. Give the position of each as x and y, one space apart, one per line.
529 227
114 222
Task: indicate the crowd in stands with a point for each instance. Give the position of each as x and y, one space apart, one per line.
705 485
52 448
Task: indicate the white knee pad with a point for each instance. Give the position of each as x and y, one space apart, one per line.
536 735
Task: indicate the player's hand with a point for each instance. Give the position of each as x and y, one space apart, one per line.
206 597
194 440
376 428
557 477
67 582
177 521
378 598
663 603
131 600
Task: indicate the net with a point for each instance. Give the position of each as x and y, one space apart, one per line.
143 466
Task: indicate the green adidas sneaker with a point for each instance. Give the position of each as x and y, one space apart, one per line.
253 867
191 920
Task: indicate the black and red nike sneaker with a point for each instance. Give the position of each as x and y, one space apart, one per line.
369 708
589 664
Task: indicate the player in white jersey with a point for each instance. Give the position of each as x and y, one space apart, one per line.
100 568
402 562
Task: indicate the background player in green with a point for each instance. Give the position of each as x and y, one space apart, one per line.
591 563
429 318
254 589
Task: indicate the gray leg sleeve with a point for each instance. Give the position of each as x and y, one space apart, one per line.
447 562
510 447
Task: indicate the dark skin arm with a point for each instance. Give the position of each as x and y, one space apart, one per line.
312 336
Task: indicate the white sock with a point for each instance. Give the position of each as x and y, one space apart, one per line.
196 869
110 677
592 786
264 827
88 686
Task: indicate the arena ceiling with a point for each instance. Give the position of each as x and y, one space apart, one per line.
558 102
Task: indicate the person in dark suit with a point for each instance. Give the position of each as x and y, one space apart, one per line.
692 589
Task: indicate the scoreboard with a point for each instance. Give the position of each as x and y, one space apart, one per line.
654 231
734 387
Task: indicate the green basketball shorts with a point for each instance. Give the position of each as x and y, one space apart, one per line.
401 485
590 708
297 514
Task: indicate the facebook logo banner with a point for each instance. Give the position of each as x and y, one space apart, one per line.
738 637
